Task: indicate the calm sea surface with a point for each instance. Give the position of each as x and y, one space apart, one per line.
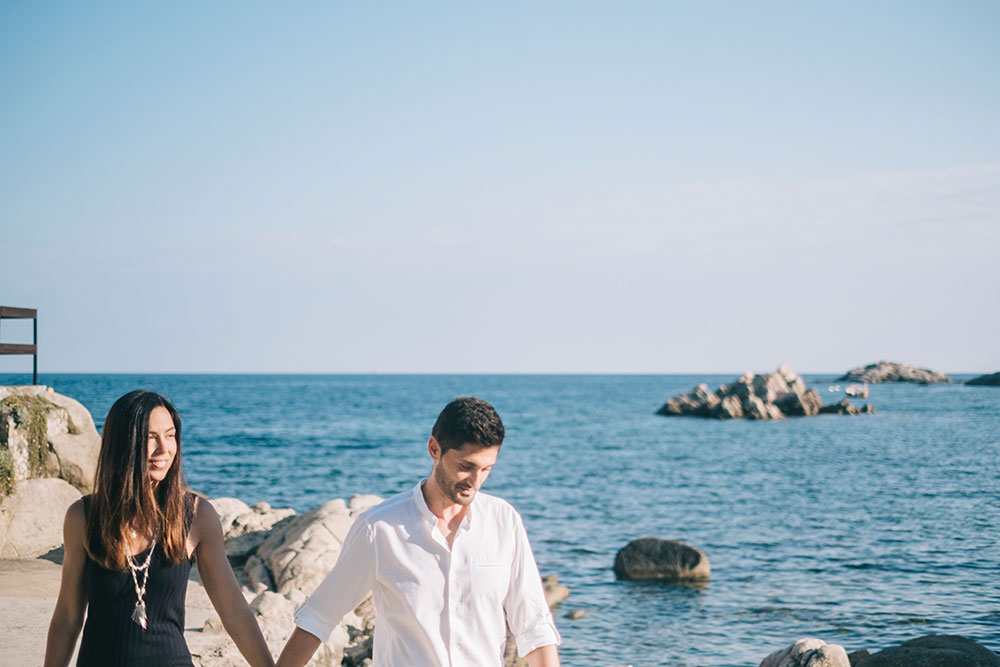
864 531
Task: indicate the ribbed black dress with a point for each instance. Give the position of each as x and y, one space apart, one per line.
112 639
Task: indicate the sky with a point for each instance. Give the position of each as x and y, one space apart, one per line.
557 187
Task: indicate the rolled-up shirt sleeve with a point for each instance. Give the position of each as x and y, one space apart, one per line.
528 614
344 587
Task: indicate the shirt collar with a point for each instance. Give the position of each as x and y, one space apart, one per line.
428 516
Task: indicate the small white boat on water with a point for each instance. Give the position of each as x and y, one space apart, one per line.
857 390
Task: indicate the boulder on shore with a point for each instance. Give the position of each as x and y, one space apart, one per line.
891 371
48 455
768 396
665 560
932 651
31 518
808 652
991 380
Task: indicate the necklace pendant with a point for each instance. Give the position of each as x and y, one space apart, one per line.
139 615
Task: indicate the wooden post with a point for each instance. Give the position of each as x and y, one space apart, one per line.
9 313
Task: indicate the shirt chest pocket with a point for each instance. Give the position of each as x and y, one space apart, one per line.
490 579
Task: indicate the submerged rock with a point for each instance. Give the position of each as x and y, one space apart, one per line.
933 651
768 396
991 380
891 371
665 560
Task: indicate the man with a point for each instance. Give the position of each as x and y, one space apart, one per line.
447 565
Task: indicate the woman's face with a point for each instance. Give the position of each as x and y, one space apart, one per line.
162 444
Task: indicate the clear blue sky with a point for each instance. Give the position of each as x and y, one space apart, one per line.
501 187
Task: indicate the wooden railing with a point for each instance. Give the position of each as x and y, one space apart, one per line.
9 313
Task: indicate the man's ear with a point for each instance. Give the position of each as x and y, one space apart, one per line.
434 448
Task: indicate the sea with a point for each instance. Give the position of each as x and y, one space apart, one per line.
863 531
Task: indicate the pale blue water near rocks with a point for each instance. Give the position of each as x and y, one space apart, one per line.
864 531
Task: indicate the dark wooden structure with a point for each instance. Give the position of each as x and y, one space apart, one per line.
9 313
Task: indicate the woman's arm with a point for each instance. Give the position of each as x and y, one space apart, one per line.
67 618
220 584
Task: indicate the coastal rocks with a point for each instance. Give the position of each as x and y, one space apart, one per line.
767 396
991 380
245 528
45 434
808 652
890 371
665 560
48 454
933 651
31 519
300 554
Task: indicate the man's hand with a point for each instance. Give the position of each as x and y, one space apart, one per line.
543 656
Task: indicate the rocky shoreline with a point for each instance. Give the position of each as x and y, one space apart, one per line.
279 556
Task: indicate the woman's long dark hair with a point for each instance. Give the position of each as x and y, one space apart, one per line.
124 499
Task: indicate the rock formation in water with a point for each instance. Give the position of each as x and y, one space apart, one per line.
767 396
890 371
48 455
927 651
808 652
931 651
664 560
991 380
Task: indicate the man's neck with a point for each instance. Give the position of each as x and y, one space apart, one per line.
447 511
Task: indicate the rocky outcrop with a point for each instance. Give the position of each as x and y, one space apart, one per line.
48 435
932 651
808 652
890 371
48 455
665 560
768 396
991 380
279 558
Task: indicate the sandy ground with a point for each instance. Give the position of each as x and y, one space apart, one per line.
28 591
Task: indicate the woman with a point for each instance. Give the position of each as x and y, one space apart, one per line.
129 549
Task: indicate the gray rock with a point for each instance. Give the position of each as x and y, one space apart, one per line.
769 396
991 380
31 519
891 371
808 652
71 443
845 407
934 651
667 560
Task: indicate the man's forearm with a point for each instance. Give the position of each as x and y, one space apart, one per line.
299 649
543 656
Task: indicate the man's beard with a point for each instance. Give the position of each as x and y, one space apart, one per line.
450 490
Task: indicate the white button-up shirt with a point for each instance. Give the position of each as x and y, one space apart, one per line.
436 606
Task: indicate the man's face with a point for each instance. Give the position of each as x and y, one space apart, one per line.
460 472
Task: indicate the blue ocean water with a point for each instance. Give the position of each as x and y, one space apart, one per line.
864 531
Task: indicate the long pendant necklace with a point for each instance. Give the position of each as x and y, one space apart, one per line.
139 614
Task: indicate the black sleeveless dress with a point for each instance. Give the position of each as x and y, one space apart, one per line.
111 638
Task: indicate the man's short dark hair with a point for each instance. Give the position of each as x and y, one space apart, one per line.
468 421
